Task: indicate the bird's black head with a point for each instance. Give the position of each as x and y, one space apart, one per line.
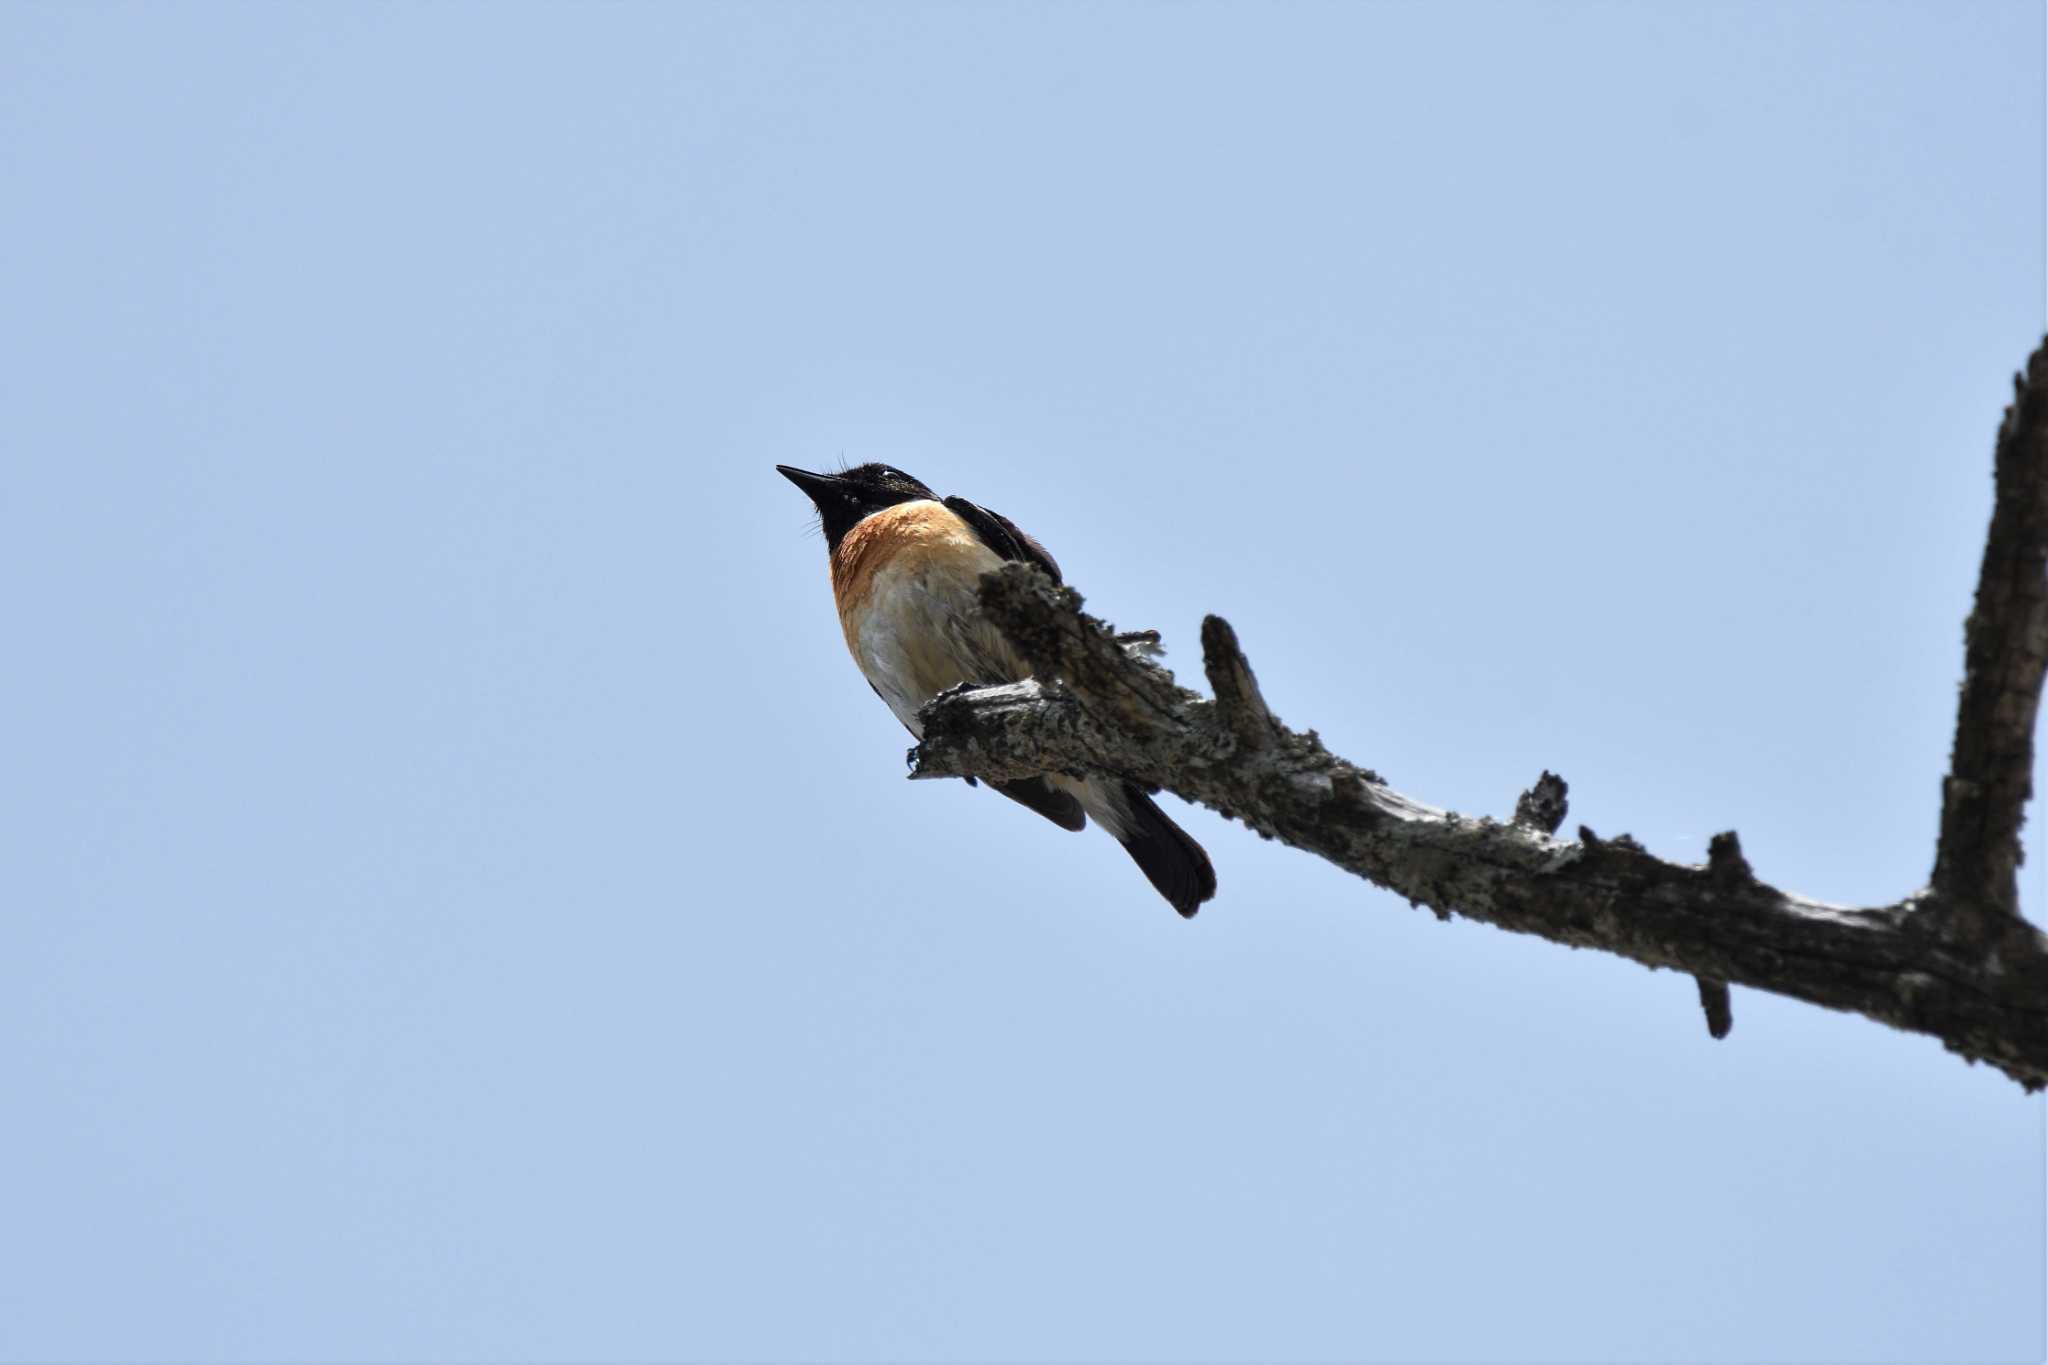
843 499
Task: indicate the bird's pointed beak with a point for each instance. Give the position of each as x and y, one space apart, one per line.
815 486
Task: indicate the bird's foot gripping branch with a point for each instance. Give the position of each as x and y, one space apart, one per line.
1953 960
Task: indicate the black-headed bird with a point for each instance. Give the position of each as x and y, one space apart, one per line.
906 571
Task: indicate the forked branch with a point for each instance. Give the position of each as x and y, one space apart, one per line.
1953 960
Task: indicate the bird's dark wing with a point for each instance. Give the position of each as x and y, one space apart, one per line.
1000 534
1055 805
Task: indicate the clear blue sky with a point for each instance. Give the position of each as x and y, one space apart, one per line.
462 903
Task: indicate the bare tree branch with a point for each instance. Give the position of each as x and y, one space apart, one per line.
1991 769
1730 871
1236 690
1542 807
1953 961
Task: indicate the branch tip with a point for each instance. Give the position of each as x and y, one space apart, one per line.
1543 806
1725 863
1232 683
1714 1001
2005 654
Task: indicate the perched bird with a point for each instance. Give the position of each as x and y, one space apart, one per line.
906 568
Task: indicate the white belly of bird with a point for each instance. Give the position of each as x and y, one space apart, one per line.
922 632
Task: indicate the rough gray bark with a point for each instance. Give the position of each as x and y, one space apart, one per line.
1991 769
1953 960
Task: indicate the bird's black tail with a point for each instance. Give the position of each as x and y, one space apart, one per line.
1168 856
